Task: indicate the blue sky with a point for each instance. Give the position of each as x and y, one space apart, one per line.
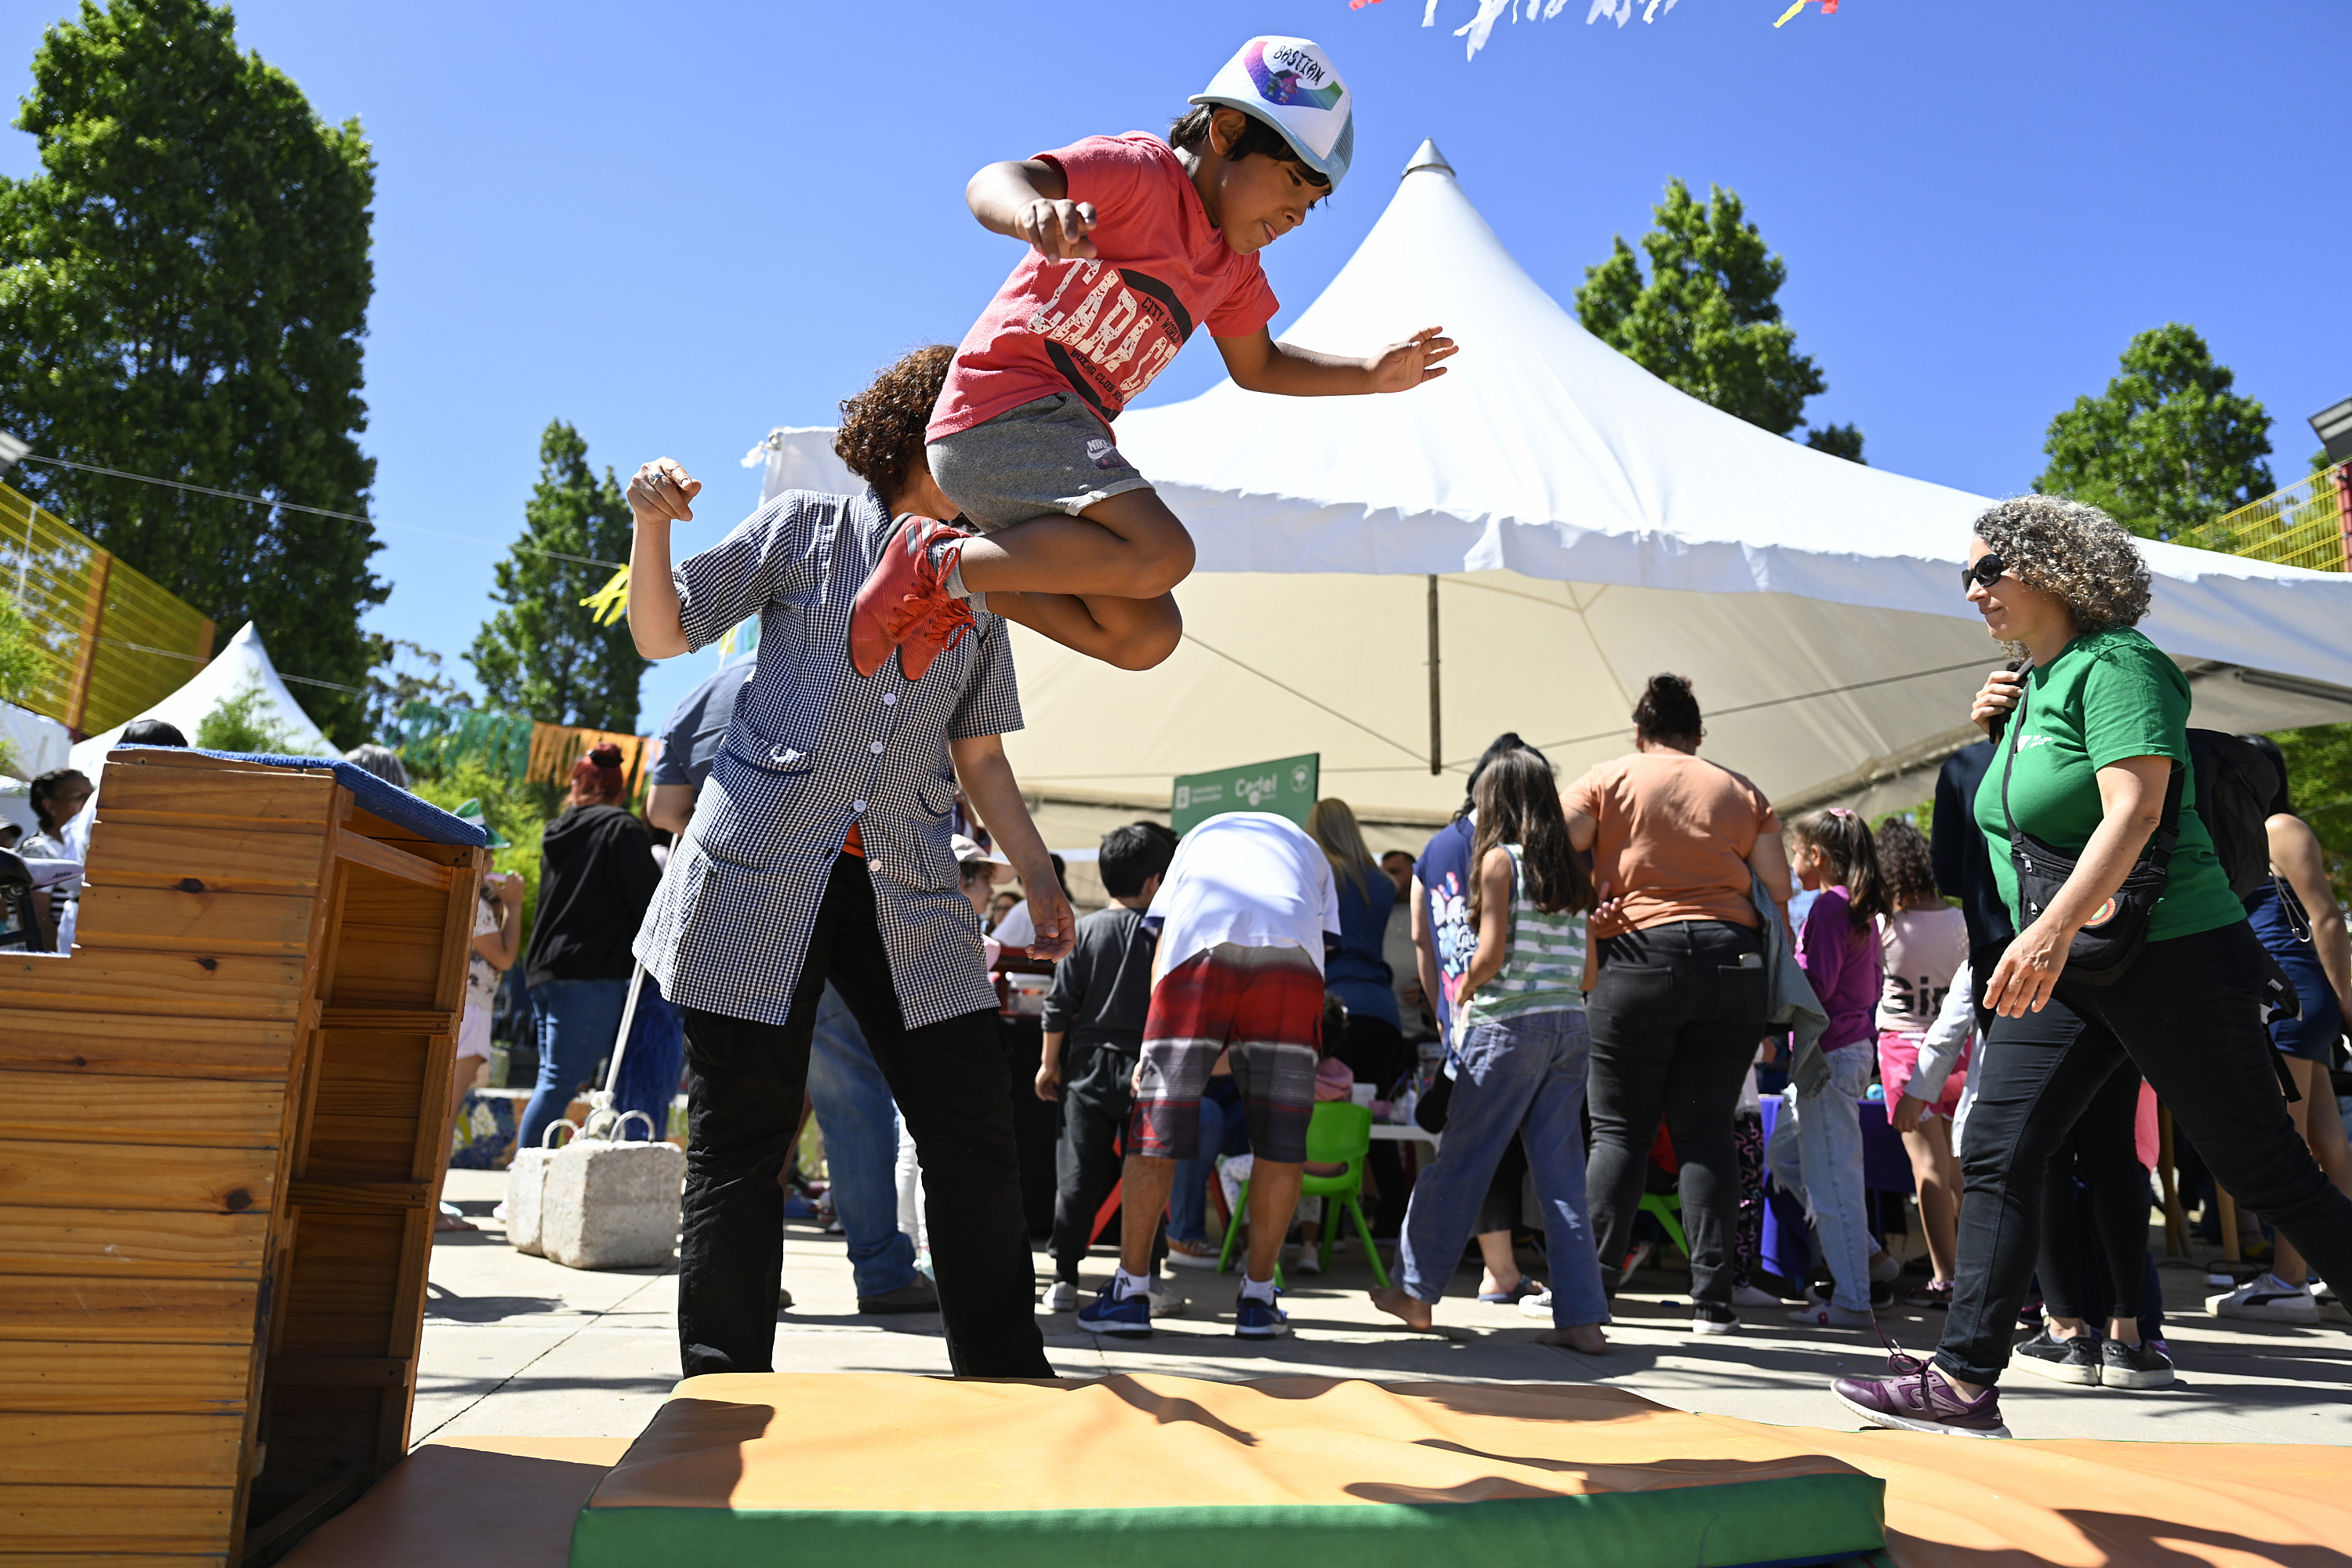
677 226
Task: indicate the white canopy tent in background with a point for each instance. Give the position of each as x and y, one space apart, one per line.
1519 545
243 663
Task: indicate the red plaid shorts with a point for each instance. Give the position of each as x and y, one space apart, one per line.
1263 1005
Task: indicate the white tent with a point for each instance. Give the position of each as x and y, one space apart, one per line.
1519 545
243 663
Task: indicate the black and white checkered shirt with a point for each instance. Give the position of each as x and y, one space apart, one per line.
813 747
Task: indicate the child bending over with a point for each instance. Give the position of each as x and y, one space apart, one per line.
1136 242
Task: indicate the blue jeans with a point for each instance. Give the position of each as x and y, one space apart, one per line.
655 1061
1524 1075
855 1112
578 1021
1223 1130
1816 1152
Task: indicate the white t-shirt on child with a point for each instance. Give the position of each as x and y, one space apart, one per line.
1248 878
1919 951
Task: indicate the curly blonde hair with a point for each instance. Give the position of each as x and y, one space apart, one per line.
2074 551
881 435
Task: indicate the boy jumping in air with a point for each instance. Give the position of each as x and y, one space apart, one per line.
1136 242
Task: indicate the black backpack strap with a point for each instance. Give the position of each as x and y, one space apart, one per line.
2167 827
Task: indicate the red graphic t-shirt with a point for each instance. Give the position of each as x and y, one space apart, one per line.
1103 326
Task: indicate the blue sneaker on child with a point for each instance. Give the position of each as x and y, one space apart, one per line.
1256 1318
1112 1313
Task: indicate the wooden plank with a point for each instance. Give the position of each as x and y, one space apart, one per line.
341 1284
312 1509
172 919
338 1372
390 1020
40 1175
386 966
130 1312
306 1194
176 984
112 1560
225 859
124 1380
132 1243
359 819
220 795
390 860
96 1519
72 1447
141 1045
218 1113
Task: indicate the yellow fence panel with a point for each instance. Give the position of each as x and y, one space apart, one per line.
110 640
2306 524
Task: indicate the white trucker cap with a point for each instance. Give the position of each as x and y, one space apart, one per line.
1291 84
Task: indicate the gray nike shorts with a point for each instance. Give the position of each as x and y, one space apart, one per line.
1051 455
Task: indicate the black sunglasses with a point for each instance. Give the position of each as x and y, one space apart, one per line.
1986 569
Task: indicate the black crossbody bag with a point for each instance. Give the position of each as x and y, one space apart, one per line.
2111 939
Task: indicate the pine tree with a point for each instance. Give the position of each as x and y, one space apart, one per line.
544 654
2167 446
1707 320
183 291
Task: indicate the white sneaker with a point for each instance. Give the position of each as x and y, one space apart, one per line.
1750 1296
1537 1305
1165 1303
1310 1261
1885 1268
1829 1315
1061 1295
2265 1299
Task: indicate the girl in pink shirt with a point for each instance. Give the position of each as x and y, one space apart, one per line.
1135 244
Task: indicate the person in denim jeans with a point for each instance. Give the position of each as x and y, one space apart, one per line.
860 1123
1677 1004
1519 1061
1816 1148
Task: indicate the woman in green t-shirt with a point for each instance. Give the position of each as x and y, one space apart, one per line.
2100 723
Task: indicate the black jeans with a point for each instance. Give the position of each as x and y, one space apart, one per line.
2102 1152
1376 1051
745 1086
1676 1017
2188 1014
1097 1077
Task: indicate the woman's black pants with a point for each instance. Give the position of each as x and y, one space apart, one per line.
1676 1017
2188 1014
745 1085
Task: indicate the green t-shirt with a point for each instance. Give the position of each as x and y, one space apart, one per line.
2108 695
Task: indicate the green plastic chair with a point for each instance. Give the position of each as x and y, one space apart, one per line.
1667 1208
1340 1131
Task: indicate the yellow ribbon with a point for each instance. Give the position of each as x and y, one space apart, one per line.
1789 12
610 602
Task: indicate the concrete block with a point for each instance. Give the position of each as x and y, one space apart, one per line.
612 1205
526 1194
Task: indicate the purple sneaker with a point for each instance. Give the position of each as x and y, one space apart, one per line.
1917 1399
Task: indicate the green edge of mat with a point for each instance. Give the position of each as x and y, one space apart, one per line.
1800 1519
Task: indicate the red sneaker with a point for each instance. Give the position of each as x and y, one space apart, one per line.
932 635
905 589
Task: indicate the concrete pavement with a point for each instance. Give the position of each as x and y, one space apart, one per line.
517 1345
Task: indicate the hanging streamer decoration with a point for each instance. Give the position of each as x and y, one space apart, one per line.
610 602
435 740
1479 27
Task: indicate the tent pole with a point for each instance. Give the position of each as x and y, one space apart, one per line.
1436 746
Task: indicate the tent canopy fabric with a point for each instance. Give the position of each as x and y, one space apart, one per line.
243 663
1587 526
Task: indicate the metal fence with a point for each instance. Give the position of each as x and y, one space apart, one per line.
111 641
2308 523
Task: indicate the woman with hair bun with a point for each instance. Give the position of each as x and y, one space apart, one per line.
1678 1004
596 878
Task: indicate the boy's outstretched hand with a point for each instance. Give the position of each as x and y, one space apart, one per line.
664 489
1403 366
1058 229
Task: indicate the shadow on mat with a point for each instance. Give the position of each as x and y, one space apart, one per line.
2127 1541
451 1505
442 1302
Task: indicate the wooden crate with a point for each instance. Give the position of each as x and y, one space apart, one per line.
221 1140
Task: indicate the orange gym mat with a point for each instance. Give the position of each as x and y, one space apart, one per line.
734 1451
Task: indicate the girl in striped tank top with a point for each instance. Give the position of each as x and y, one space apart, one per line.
1518 1057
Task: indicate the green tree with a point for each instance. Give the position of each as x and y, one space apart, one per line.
2167 446
391 687
544 654
183 291
2319 778
1707 318
1838 441
242 722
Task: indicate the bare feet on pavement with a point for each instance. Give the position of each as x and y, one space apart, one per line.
1584 1337
1395 1302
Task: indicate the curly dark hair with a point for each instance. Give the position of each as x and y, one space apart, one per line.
881 435
2073 551
1666 711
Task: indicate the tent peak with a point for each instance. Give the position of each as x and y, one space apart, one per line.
1429 157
